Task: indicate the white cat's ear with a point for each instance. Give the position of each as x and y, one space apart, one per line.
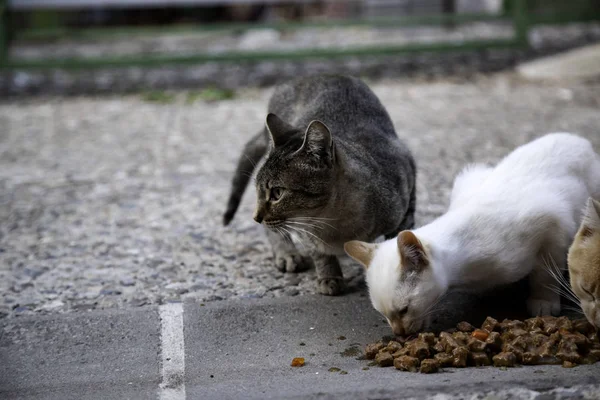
412 253
318 141
591 218
360 251
278 128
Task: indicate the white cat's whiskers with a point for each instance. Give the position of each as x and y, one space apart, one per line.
564 287
431 309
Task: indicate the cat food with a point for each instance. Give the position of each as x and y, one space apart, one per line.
535 341
407 363
429 366
298 362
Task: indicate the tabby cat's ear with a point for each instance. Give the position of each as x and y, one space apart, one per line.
318 141
278 128
412 253
360 251
591 218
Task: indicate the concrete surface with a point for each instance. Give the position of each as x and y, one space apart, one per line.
114 202
242 349
81 356
582 63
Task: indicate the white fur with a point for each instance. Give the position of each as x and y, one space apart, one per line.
502 224
467 183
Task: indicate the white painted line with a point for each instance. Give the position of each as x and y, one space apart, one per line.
172 386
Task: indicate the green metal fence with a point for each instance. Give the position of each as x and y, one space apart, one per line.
517 12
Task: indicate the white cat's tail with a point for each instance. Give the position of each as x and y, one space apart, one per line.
467 182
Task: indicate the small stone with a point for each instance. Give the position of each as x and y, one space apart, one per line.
291 291
334 369
110 292
127 282
33 272
199 286
343 372
252 296
84 306
139 302
341 337
293 281
224 293
53 305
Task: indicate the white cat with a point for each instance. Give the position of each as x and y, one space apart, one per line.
501 226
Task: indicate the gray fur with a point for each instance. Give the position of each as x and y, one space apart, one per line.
344 172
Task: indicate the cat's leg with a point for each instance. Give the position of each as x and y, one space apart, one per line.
330 280
287 257
543 297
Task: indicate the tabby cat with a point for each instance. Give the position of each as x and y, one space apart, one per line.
335 170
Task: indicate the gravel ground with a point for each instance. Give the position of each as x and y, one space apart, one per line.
117 202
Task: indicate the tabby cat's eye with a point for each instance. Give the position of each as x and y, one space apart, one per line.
276 193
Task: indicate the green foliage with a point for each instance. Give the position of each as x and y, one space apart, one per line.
210 94
158 96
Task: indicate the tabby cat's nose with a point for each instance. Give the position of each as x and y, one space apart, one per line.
258 217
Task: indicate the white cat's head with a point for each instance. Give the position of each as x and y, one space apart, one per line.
584 263
402 283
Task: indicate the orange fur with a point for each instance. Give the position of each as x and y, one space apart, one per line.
584 263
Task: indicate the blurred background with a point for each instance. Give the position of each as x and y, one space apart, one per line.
124 45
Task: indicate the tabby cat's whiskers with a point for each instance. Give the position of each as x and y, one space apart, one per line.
301 230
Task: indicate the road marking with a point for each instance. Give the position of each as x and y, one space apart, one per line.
172 386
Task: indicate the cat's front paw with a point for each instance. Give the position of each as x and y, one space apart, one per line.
331 286
292 262
539 307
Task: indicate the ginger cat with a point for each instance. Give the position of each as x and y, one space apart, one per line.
584 263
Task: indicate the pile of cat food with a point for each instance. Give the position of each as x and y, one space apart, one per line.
535 341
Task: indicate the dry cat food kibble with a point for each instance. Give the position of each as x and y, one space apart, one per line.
298 362
535 341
